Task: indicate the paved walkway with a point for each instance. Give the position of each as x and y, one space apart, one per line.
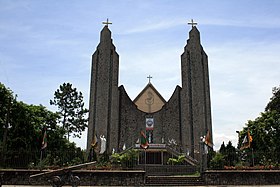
153 186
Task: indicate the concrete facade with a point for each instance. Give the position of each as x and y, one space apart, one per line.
185 117
195 95
104 95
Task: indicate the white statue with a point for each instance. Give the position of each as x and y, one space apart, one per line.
103 144
172 142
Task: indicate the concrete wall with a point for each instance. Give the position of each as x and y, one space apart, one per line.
166 121
87 178
245 177
132 120
111 178
137 178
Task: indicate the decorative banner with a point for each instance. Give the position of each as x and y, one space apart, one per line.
149 123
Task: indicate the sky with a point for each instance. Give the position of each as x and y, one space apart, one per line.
46 43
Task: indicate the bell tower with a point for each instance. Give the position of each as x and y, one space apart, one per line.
104 96
195 95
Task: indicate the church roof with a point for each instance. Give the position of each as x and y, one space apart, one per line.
149 99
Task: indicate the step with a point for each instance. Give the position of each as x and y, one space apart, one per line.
174 180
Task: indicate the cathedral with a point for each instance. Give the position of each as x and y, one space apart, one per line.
174 125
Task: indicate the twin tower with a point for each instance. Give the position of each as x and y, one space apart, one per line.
184 118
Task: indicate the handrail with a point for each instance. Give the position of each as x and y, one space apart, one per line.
79 166
189 159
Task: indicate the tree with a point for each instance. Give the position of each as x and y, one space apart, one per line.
265 131
21 133
227 155
218 161
274 103
223 149
71 109
231 154
6 98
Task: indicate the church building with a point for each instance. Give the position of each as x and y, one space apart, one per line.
175 125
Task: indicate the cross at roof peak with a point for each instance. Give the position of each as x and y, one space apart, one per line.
106 22
192 23
149 77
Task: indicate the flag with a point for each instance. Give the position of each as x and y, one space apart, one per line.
44 141
208 139
250 137
94 142
246 143
144 141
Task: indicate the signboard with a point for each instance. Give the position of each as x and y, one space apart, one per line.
149 123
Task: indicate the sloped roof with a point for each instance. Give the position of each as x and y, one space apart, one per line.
149 93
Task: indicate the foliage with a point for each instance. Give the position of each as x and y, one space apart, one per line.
218 161
227 156
6 97
6 101
176 161
127 159
25 132
231 154
65 154
223 149
265 131
274 103
71 109
210 156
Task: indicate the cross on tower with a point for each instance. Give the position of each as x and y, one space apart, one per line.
107 22
192 23
149 78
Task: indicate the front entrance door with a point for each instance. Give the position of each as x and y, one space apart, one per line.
150 157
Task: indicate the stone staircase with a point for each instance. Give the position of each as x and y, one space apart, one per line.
167 170
173 181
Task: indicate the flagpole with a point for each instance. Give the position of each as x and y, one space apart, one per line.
253 156
145 160
41 155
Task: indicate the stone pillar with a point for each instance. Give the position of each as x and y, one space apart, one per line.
195 95
104 95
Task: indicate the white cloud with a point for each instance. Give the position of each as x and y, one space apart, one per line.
242 76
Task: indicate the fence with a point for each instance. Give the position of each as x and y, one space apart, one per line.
40 159
139 160
246 159
130 160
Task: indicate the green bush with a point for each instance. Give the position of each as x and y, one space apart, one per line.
124 160
176 161
218 161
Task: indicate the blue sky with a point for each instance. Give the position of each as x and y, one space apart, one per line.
46 43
